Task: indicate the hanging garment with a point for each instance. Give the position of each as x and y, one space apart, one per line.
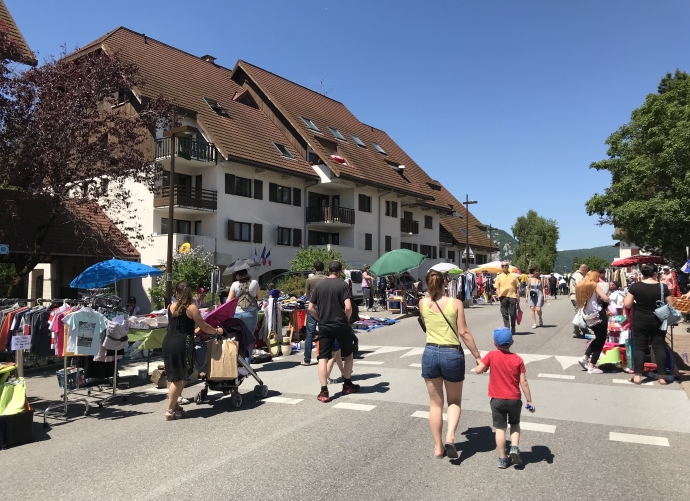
85 327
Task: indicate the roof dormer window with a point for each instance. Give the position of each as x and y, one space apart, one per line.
337 133
216 107
284 151
378 148
310 124
358 141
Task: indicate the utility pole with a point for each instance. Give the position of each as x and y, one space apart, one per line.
171 214
491 243
467 204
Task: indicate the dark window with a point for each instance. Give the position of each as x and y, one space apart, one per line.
464 232
258 233
364 203
378 148
426 250
394 209
336 133
389 243
405 245
317 238
310 124
358 141
238 186
122 98
229 184
451 256
283 150
297 197
441 253
388 208
242 232
429 222
180 226
414 247
280 194
197 227
258 189
296 237
407 216
433 252
367 241
283 236
216 106
335 238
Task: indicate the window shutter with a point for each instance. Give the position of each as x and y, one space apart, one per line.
297 197
230 184
433 252
362 202
231 228
367 241
394 209
258 233
258 189
272 192
388 208
296 237
389 243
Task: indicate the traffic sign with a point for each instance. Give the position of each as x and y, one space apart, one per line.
4 249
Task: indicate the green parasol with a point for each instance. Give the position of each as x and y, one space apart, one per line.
456 271
395 262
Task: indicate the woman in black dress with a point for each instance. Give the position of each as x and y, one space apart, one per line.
183 315
646 295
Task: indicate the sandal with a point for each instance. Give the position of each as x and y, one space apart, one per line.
443 454
305 364
632 380
662 381
183 401
451 451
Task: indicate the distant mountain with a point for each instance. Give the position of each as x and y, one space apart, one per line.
505 242
565 258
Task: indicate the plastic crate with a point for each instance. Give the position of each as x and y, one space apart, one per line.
17 429
72 382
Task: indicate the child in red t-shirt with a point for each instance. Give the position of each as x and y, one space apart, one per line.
505 379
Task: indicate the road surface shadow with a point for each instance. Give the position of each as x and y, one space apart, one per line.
538 454
479 439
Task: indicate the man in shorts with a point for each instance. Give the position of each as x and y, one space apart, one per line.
331 307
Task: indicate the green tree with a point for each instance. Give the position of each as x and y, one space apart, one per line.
194 267
537 238
577 261
649 161
305 257
595 263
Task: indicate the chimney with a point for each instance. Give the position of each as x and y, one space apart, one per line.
208 58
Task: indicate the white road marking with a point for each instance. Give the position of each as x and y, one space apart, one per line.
638 439
368 348
415 365
546 428
413 352
527 357
385 349
283 400
367 362
276 359
425 415
354 407
567 361
556 376
625 381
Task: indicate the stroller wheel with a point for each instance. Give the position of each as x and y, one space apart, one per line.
236 400
261 391
198 400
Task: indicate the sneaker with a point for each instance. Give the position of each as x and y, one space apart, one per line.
503 463
348 390
335 381
595 370
515 455
324 397
584 363
534 326
541 323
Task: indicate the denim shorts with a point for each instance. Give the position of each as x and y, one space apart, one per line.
448 363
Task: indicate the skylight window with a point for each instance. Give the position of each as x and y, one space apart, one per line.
283 150
358 141
337 133
310 124
378 148
216 106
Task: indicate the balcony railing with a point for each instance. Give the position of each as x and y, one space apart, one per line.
330 214
188 197
187 148
409 226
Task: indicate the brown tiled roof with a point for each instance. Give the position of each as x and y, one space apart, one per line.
365 164
14 33
79 230
245 133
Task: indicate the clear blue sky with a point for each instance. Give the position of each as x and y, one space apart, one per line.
506 101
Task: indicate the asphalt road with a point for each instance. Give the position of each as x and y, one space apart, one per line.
591 438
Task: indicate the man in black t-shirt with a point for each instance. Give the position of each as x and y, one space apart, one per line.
553 285
331 306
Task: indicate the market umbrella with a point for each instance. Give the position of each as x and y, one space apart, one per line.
108 272
396 261
455 271
239 265
635 260
494 267
444 267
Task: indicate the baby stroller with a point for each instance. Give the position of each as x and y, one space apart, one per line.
232 328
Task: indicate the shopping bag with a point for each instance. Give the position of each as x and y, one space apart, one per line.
222 359
13 397
518 317
579 319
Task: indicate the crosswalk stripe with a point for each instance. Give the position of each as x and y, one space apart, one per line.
556 376
367 362
567 361
638 439
415 365
413 352
546 428
385 349
425 415
527 357
625 381
283 400
354 407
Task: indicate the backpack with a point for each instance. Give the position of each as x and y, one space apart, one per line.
246 300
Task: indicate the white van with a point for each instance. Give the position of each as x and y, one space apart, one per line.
354 279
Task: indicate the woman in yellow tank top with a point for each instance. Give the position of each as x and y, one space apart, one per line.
443 361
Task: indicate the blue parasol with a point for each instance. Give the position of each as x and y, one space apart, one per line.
108 272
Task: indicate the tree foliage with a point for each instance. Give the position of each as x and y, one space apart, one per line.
62 134
194 267
305 258
593 262
537 238
293 285
649 161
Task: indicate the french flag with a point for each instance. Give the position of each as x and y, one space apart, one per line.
263 256
256 256
268 257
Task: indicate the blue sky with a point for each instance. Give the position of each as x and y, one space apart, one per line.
506 101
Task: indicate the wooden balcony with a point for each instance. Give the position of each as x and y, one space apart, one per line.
187 197
331 214
409 226
188 149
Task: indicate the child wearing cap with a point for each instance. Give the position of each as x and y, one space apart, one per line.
506 377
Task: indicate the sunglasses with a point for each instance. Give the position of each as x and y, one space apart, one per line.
504 265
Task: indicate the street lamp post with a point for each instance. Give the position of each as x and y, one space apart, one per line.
467 204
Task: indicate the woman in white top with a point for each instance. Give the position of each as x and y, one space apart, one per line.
249 294
590 296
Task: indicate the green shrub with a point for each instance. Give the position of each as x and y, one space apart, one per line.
295 285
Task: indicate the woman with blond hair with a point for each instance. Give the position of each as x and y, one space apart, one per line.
183 315
590 297
443 361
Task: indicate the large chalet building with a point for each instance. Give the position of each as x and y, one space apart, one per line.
266 164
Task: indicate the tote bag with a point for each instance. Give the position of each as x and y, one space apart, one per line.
13 397
666 313
222 359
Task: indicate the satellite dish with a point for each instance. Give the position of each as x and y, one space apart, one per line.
185 247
